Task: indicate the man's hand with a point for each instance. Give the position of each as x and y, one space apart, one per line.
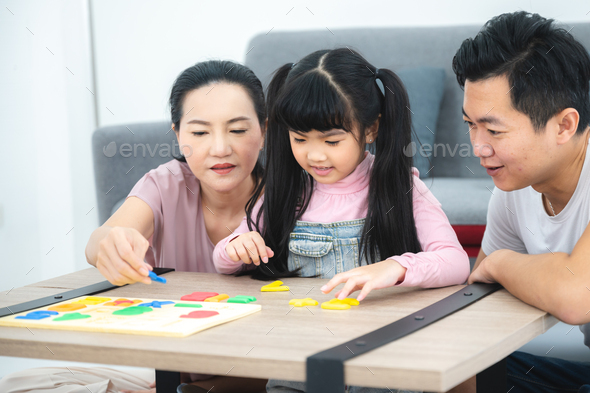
483 273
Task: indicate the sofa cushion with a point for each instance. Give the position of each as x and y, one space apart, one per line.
464 200
425 87
123 154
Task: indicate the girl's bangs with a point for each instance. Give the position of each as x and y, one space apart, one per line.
311 102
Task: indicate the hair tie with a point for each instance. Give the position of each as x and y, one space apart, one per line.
378 81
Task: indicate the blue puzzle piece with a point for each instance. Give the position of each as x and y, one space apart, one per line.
36 315
156 278
155 304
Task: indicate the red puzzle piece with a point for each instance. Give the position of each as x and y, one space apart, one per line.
200 314
199 296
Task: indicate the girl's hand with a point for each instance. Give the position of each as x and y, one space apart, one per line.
366 278
249 248
120 257
151 390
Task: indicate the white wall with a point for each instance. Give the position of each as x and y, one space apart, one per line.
141 46
46 120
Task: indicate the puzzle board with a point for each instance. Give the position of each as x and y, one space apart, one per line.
131 316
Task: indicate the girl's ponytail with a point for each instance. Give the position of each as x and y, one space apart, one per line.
273 89
278 184
275 85
389 227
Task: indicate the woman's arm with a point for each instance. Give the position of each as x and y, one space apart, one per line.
118 247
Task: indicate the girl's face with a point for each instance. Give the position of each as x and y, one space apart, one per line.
328 156
220 135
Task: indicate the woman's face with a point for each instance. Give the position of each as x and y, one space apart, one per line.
220 135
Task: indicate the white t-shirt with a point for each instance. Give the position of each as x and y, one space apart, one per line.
517 221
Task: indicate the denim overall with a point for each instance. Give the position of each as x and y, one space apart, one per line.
324 250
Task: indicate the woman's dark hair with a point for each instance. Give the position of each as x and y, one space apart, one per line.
546 67
336 89
217 71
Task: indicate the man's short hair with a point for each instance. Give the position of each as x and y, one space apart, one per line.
547 69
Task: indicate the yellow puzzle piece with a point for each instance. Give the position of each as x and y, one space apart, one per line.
276 286
93 300
217 298
303 302
337 304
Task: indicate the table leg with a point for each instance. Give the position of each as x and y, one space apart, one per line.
167 381
493 379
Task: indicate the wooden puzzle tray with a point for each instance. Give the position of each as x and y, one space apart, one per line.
131 316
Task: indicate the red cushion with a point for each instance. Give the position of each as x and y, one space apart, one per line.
470 237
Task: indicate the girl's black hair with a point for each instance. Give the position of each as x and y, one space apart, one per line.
331 89
217 71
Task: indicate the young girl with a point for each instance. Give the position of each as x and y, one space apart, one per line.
331 209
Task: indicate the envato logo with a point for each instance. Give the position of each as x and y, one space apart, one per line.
163 150
443 150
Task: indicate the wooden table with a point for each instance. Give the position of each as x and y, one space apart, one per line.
275 342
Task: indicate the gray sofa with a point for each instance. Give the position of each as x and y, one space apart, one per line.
458 181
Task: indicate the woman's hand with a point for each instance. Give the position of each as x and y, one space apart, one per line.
120 257
151 390
249 248
379 275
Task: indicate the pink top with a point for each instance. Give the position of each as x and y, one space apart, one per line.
180 239
442 262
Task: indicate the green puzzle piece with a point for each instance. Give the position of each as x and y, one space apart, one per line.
72 316
187 305
241 299
132 311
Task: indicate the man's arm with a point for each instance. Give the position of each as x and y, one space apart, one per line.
480 257
556 282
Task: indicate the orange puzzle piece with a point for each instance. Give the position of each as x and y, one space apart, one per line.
67 307
217 298
122 303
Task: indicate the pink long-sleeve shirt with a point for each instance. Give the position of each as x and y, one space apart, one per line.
442 262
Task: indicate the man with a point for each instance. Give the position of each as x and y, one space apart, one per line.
527 104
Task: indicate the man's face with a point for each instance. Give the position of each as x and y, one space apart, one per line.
504 139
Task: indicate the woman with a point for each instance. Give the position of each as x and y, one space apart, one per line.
218 115
176 213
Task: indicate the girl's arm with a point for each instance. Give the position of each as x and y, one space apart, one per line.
221 259
442 261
